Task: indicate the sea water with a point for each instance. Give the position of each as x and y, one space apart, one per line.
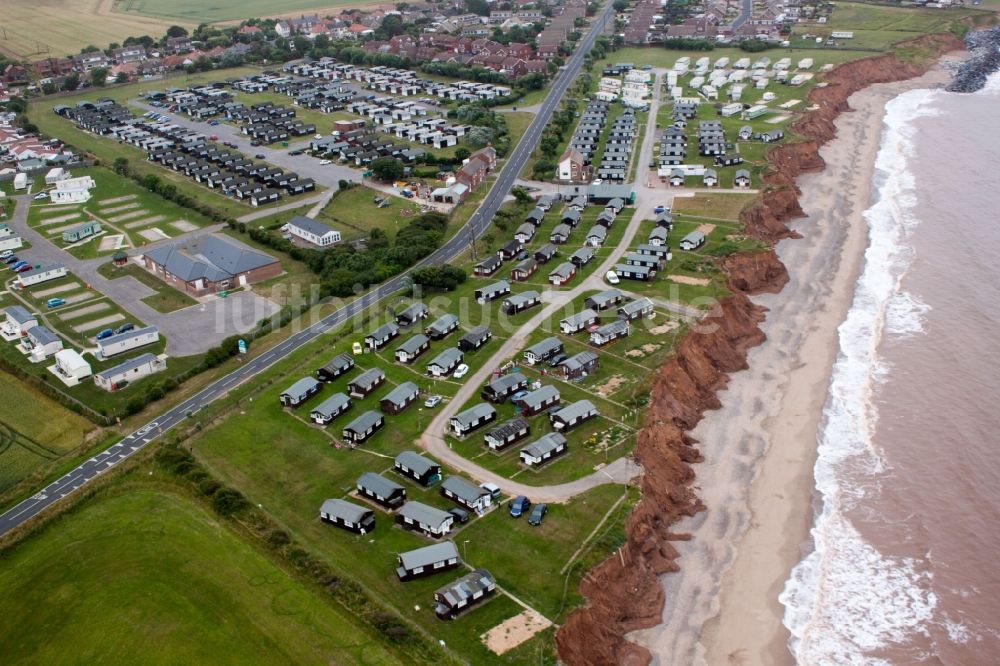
903 567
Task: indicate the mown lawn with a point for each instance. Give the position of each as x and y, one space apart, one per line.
151 573
354 213
166 298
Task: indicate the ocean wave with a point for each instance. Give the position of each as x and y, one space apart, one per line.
845 599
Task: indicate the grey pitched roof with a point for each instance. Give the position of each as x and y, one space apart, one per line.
413 310
209 257
577 361
128 365
598 231
476 334
474 413
18 314
38 271
561 230
428 555
548 249
416 462
659 233
465 587
310 225
527 228
347 511
42 335
563 270
502 285
447 358
545 444
443 323
580 317
575 410
340 361
463 489
539 396
127 335
523 297
612 328
378 484
368 377
584 254
332 404
300 387
638 305
384 330
413 344
500 384
606 296
545 346
401 393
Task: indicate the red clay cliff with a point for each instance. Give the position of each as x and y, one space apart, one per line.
623 592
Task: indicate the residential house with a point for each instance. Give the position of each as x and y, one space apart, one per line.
544 449
423 470
572 167
347 515
362 428
475 417
388 493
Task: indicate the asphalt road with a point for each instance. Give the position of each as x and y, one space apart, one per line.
746 9
474 228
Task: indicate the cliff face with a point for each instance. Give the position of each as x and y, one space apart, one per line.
623 592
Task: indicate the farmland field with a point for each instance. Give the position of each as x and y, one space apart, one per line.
182 588
51 28
227 10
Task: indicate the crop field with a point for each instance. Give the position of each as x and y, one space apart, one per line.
51 28
36 433
181 588
228 10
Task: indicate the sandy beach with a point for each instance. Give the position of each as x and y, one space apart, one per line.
759 448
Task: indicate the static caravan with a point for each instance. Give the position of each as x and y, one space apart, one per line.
381 490
578 322
507 433
434 523
544 449
475 417
366 382
123 342
542 351
130 371
337 366
347 515
423 470
331 408
573 415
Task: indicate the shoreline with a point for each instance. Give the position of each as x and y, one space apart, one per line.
608 629
736 616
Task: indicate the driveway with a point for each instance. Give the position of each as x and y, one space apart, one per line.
193 330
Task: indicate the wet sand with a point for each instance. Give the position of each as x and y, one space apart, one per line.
760 447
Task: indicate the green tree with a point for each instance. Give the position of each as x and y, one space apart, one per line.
98 76
48 88
72 82
387 169
176 31
122 77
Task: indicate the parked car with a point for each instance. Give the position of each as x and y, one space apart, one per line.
293 153
125 328
213 137
538 514
26 267
55 302
433 401
519 505
12 259
255 143
557 359
213 123
518 395
105 334
460 515
19 265
259 156
325 162
492 488
611 277
40 196
461 371
6 254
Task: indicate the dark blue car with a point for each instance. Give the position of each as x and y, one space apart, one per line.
519 505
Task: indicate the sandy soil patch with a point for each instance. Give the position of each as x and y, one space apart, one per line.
143 222
153 234
127 197
119 209
664 328
98 323
706 228
513 631
109 243
69 286
56 220
132 214
183 226
634 353
77 298
687 279
610 386
86 310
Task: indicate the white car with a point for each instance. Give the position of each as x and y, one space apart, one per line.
612 277
318 136
41 195
433 401
461 371
325 162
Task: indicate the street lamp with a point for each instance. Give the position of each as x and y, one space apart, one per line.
465 552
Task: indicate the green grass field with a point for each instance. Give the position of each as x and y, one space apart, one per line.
355 213
166 298
225 10
151 576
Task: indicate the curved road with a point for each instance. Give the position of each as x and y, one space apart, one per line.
474 228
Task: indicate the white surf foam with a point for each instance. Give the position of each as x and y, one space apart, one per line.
846 599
